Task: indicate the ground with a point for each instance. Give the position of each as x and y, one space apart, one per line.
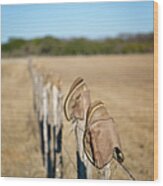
123 82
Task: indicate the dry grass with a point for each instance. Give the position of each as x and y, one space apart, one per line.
124 83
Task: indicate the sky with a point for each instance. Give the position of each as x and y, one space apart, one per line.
69 20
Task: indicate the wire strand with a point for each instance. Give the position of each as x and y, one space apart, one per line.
126 170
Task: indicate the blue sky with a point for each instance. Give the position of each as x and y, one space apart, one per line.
67 20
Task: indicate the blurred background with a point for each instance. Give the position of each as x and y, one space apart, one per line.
77 29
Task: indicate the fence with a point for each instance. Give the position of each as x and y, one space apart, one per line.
47 98
83 115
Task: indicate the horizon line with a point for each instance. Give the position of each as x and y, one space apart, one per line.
80 37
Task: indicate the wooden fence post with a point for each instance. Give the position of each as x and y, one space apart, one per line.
34 77
57 130
84 167
45 130
36 90
40 98
51 133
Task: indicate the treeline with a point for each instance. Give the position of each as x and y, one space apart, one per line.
123 44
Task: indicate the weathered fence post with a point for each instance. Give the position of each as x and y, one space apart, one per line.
58 124
52 137
34 77
45 120
84 167
40 97
75 108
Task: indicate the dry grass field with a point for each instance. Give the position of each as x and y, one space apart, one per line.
123 83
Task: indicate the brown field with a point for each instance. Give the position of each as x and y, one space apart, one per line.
123 83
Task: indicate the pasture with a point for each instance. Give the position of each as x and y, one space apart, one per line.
123 82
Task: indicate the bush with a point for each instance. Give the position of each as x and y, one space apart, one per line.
124 44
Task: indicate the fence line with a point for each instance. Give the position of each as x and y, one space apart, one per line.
47 103
47 100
